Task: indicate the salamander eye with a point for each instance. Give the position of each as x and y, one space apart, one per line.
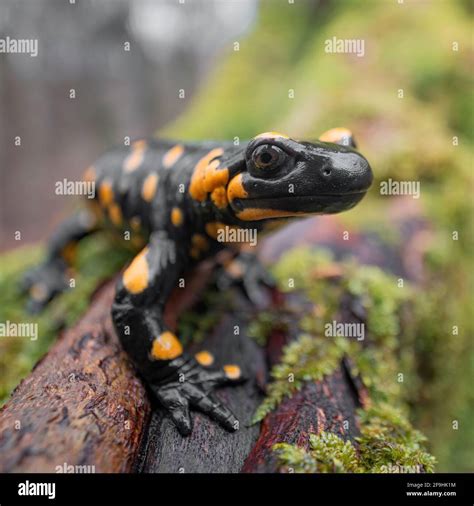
268 156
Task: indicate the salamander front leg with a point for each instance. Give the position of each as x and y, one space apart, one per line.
247 272
179 381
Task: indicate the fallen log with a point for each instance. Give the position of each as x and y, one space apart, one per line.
83 404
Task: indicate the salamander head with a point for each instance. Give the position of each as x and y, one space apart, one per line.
283 177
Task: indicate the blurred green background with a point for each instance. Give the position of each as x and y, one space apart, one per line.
409 46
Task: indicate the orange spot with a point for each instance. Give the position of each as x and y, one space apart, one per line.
200 242
215 176
204 358
115 214
235 189
336 135
213 228
135 278
106 194
254 214
172 156
166 347
219 197
135 158
149 187
69 252
232 371
196 187
90 174
271 135
177 216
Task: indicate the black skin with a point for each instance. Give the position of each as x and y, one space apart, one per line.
267 178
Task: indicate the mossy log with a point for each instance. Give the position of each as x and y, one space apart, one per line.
81 405
84 405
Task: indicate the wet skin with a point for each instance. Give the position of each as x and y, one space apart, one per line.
181 196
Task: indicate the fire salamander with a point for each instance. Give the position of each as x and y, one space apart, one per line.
182 195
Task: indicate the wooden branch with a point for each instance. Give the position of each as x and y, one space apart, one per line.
82 405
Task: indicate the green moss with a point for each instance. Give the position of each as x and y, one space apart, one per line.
98 259
381 296
261 327
328 453
313 355
388 442
291 271
306 359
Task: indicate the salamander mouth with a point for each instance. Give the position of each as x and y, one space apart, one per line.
300 204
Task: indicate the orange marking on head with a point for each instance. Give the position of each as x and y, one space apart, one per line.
235 188
204 358
219 197
135 158
115 214
271 135
149 187
215 176
172 156
255 214
232 371
166 347
135 278
336 135
106 194
196 187
177 217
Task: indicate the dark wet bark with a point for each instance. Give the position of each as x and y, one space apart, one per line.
81 405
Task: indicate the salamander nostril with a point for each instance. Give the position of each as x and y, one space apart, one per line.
327 171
